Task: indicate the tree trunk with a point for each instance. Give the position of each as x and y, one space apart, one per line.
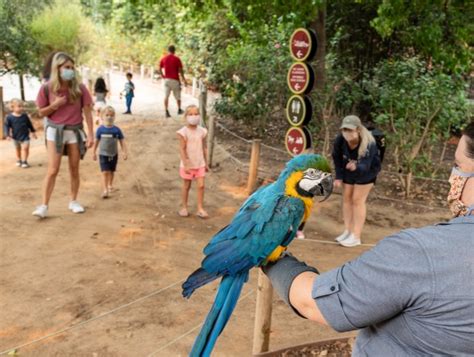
319 25
408 184
22 87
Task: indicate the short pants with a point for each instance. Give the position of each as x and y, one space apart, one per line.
69 137
192 173
108 163
356 182
173 85
99 105
21 143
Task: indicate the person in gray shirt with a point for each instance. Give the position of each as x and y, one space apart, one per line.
412 294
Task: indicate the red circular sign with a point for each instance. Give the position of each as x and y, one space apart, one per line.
299 77
302 44
296 141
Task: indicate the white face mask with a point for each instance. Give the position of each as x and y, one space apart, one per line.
193 119
350 136
109 120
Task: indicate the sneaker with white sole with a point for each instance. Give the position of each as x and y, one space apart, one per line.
25 165
350 241
18 163
75 207
41 211
300 234
343 236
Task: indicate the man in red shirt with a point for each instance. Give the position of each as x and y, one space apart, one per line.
173 68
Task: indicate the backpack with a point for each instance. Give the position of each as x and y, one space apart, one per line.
379 137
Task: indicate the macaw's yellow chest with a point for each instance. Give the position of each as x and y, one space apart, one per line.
290 190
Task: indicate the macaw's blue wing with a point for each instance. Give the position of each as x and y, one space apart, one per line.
254 233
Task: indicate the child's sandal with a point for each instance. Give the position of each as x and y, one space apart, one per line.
202 214
183 212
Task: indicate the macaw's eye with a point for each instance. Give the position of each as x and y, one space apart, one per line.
311 173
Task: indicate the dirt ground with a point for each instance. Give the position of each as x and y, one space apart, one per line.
68 269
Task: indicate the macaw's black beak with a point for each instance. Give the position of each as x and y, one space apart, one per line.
324 188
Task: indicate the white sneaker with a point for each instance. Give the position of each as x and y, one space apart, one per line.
41 211
343 236
75 207
350 241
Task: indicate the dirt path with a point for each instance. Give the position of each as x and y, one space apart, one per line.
70 268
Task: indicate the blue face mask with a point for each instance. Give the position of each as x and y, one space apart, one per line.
67 74
458 180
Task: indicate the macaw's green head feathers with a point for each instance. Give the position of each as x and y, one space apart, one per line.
307 175
308 161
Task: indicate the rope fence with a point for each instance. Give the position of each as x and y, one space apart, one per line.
272 176
180 337
98 317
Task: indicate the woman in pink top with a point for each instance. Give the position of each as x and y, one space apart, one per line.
193 153
62 101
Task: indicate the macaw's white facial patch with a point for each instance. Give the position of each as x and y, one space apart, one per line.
311 178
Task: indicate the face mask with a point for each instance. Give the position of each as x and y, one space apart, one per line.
109 120
67 74
350 136
458 180
193 119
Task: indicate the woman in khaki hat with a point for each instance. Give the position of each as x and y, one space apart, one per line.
357 162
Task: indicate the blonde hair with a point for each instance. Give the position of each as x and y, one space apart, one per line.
15 101
188 109
366 139
74 85
106 109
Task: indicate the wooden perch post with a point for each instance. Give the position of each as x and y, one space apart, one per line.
263 315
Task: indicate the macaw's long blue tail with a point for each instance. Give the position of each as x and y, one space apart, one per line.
224 303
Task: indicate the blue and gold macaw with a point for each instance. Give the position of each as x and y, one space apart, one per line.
259 233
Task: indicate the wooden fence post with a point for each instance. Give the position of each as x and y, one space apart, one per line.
107 82
253 168
2 115
194 87
203 103
263 315
210 140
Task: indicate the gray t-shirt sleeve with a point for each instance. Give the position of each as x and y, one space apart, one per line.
394 276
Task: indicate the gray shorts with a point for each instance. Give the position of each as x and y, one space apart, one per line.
22 143
172 85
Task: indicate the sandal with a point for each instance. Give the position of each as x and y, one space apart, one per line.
202 214
183 212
